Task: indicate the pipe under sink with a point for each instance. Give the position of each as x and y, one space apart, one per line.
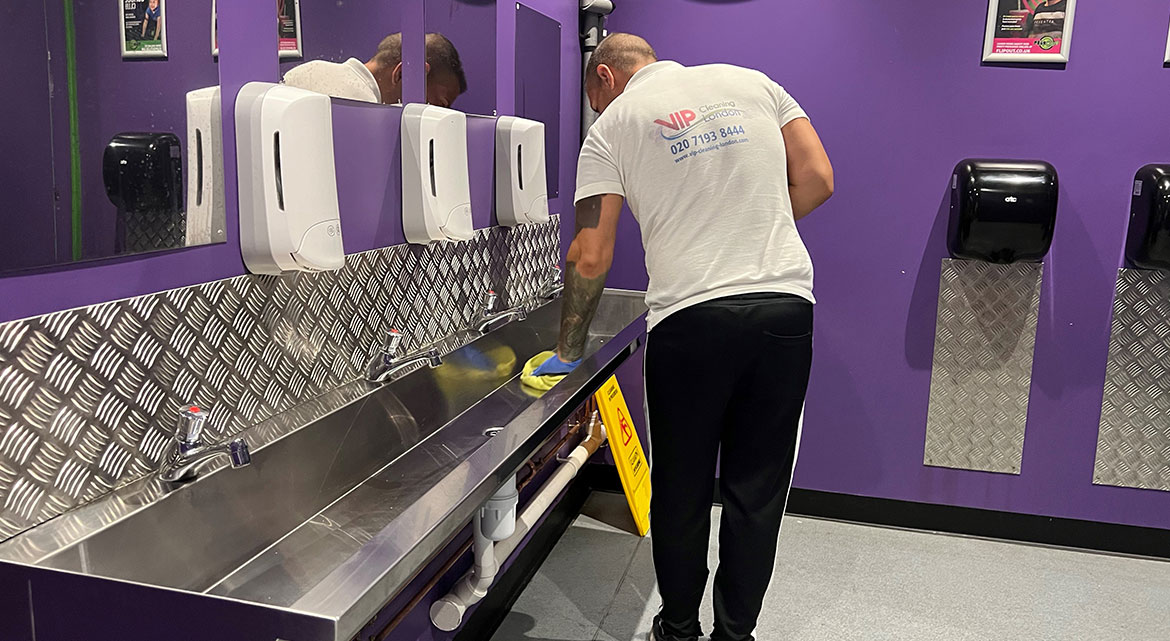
322 502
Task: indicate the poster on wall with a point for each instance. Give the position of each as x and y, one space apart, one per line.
144 33
288 29
1028 30
1167 59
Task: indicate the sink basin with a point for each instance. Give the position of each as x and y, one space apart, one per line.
346 498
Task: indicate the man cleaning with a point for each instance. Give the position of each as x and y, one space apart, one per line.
380 79
717 163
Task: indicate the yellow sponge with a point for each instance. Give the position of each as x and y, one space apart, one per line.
539 383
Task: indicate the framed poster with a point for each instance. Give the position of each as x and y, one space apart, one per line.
288 25
144 33
288 29
1028 30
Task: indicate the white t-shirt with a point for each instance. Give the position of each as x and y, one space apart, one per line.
350 79
698 154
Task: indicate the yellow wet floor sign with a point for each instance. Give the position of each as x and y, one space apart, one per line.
627 452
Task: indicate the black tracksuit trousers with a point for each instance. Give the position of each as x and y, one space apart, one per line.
725 381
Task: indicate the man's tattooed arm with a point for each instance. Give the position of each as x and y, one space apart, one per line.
588 266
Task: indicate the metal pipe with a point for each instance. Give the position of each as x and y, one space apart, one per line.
593 13
447 613
533 470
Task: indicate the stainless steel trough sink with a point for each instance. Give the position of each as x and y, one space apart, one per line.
345 500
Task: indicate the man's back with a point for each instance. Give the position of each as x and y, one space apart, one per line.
699 155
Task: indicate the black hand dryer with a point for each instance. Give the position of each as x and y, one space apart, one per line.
143 173
1147 246
1002 211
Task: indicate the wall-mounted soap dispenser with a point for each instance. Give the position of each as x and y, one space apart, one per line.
436 193
1002 211
521 181
143 176
289 216
1147 245
205 198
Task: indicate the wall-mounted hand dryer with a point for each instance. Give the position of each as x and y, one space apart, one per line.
436 192
289 217
521 181
1002 211
1147 245
205 198
143 173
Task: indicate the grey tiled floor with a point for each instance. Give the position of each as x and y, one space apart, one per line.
838 581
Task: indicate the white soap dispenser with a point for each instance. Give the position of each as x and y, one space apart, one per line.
289 216
521 179
205 199
436 194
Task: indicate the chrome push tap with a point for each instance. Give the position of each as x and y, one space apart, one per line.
188 450
385 365
553 286
491 317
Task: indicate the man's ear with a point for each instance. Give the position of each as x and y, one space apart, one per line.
396 75
427 68
605 75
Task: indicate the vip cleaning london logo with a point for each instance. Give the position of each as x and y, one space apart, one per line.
680 123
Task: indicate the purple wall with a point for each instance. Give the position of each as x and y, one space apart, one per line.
898 94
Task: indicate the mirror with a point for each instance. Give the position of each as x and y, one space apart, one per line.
342 53
470 26
538 82
94 135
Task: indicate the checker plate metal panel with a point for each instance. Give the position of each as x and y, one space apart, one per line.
1133 440
982 372
88 396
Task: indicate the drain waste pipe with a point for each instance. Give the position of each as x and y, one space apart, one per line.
498 532
593 13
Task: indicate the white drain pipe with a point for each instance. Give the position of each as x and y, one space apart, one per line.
498 532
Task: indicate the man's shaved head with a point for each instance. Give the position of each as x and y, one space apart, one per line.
623 52
611 66
445 77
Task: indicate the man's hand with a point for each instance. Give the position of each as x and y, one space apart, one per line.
587 266
810 175
554 366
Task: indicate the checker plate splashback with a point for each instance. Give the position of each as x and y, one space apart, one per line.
1133 441
982 371
88 396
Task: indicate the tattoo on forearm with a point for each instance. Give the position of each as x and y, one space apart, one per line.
580 304
588 213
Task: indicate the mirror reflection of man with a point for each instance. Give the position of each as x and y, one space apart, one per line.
380 79
1048 19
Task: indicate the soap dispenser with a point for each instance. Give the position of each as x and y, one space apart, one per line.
289 215
436 192
1002 211
521 179
1147 244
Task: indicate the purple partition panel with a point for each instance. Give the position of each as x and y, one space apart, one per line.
470 25
481 163
538 66
897 91
244 52
366 148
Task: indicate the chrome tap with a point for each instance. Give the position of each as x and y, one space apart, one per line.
491 318
385 365
188 450
553 286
